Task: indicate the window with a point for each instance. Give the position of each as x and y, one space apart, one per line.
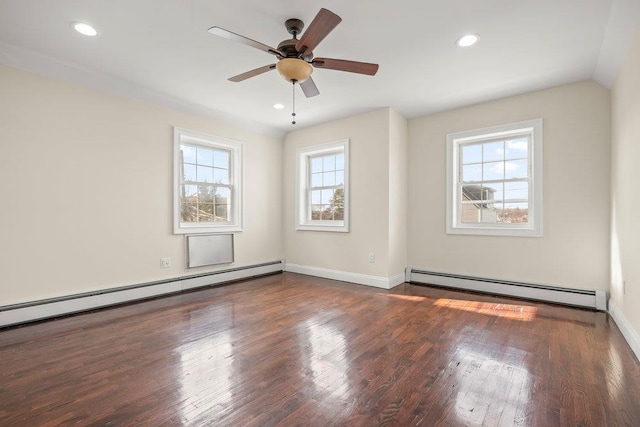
494 180
207 193
323 187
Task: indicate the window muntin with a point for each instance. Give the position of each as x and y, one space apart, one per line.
322 187
207 183
325 194
495 180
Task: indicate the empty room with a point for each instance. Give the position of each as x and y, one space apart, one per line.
414 212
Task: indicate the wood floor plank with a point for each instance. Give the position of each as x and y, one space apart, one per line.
288 349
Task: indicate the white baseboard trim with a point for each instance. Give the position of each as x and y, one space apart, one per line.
581 298
345 276
396 280
38 310
630 334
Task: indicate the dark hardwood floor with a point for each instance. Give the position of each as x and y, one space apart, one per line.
289 349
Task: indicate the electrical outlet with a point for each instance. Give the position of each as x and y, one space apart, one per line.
165 262
372 257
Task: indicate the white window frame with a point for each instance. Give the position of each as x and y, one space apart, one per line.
303 216
533 228
185 136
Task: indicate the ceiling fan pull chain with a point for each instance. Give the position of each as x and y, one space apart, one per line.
293 114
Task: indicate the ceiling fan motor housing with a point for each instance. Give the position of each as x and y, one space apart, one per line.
294 26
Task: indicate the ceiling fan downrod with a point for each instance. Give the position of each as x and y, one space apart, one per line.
293 113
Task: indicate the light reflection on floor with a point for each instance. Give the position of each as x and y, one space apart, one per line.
614 373
327 359
205 383
482 379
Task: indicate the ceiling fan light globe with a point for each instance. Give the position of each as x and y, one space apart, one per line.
294 69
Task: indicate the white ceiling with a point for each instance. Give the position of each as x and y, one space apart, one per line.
160 51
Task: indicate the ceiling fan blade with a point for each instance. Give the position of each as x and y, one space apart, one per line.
252 73
309 88
244 40
344 65
324 22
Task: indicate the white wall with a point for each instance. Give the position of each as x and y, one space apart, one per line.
86 186
369 180
398 192
625 201
378 179
574 250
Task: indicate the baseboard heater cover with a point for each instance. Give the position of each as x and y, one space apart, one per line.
44 309
576 297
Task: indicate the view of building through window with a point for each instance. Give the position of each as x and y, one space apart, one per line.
205 187
494 181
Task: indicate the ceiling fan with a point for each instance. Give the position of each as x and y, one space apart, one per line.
295 57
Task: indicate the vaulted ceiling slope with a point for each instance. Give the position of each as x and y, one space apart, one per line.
160 51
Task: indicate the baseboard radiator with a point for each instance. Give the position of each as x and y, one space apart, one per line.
54 307
575 297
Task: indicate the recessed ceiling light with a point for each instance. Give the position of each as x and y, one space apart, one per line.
278 106
84 29
468 40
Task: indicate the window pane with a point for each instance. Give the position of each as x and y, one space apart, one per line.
188 212
329 163
339 161
472 173
516 190
493 171
205 156
327 215
221 159
222 213
220 176
338 213
316 164
493 151
190 173
205 194
188 153
470 213
327 195
492 192
517 148
315 197
315 211
471 153
340 178
515 169
515 213
223 195
205 174
471 193
488 215
316 180
189 191
329 178
206 212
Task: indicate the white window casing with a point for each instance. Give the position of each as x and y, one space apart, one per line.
492 189
207 194
318 207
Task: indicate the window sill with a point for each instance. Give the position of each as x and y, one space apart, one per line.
207 230
495 231
337 227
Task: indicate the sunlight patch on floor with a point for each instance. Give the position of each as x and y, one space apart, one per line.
509 311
